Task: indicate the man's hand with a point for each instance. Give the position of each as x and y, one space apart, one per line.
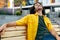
58 38
2 29
4 26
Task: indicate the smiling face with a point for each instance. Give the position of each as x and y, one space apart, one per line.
38 7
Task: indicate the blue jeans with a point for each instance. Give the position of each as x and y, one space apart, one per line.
48 37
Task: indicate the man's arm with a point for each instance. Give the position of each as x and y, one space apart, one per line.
10 24
51 29
4 26
20 22
54 33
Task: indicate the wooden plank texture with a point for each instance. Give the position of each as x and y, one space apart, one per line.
14 33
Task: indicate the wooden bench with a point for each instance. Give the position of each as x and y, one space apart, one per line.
19 33
14 33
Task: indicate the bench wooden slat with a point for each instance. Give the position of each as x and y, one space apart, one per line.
16 28
13 33
15 38
57 29
58 32
56 26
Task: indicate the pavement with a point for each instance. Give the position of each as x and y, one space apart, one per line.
8 18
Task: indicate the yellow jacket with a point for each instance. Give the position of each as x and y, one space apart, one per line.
31 21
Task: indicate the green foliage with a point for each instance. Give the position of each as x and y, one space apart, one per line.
18 13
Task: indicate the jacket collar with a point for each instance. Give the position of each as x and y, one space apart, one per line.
37 14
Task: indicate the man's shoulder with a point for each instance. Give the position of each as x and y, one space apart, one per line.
30 15
46 17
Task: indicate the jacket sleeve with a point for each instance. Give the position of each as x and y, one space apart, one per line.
22 21
49 24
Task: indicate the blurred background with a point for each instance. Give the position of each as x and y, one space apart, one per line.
19 8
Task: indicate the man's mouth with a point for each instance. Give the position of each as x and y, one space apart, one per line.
40 9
